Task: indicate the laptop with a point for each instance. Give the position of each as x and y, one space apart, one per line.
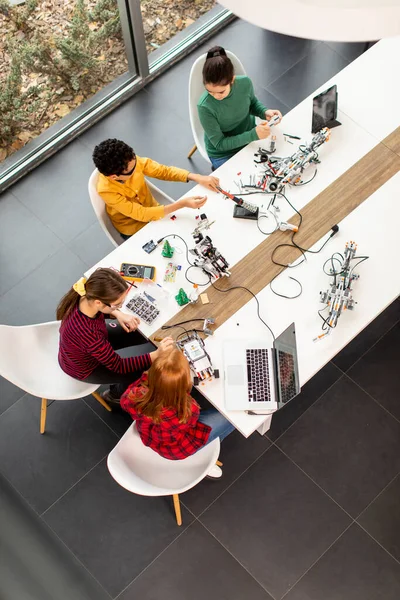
258 378
325 110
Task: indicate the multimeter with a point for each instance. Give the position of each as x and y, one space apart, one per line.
132 272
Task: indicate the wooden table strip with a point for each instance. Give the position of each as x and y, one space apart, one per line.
332 205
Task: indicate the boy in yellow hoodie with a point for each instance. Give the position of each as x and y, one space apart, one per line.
123 187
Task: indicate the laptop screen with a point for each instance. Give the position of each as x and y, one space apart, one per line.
287 373
324 109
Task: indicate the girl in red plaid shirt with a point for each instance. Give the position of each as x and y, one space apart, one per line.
167 418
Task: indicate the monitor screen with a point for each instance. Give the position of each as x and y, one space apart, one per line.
287 374
324 109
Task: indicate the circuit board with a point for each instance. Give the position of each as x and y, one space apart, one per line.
143 308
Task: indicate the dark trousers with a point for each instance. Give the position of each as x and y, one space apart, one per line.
126 345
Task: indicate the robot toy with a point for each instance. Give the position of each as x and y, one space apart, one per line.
192 346
339 296
208 258
289 170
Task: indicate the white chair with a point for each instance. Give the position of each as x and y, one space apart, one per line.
99 207
28 358
142 471
196 89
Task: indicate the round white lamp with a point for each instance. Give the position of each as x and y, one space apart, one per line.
330 20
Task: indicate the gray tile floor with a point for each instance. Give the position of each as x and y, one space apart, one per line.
308 512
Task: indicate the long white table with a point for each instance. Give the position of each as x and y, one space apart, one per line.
235 238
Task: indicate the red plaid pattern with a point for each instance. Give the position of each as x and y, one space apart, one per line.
170 438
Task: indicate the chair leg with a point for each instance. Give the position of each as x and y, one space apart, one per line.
102 402
219 463
43 413
177 507
192 151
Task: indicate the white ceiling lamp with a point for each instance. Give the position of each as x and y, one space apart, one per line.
331 20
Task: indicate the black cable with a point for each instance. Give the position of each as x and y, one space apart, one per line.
187 258
242 287
283 295
266 217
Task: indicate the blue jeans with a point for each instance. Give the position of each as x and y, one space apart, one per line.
124 236
220 427
217 162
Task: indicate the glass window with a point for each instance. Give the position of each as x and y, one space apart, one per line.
53 57
163 19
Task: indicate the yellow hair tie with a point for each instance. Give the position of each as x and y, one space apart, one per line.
79 286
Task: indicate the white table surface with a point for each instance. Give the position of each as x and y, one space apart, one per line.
235 238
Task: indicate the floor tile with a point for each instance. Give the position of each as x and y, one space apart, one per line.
92 245
24 242
275 522
269 100
195 567
348 444
313 70
264 54
9 394
349 50
237 454
118 420
48 464
57 192
35 564
382 519
286 416
46 285
114 533
355 568
377 372
369 336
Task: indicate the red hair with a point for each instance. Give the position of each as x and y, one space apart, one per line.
169 383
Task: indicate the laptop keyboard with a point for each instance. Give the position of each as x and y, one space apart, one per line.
287 376
258 375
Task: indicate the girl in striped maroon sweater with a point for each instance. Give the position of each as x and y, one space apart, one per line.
88 344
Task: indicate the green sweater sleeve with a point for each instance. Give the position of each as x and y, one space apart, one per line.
257 108
218 139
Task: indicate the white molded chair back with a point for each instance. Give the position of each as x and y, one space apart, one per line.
99 207
29 359
140 470
196 89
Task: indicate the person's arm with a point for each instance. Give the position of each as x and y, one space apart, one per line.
220 141
102 350
257 108
151 168
133 209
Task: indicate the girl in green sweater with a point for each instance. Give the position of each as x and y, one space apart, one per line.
228 108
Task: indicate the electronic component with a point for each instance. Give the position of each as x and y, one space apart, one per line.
192 346
144 308
202 222
239 212
289 170
132 272
247 205
149 246
208 258
339 296
273 121
170 273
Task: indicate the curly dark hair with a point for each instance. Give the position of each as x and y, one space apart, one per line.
112 157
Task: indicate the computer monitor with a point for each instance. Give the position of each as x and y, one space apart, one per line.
325 110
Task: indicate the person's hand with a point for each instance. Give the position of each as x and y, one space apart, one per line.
271 113
166 345
209 181
263 131
194 201
127 322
